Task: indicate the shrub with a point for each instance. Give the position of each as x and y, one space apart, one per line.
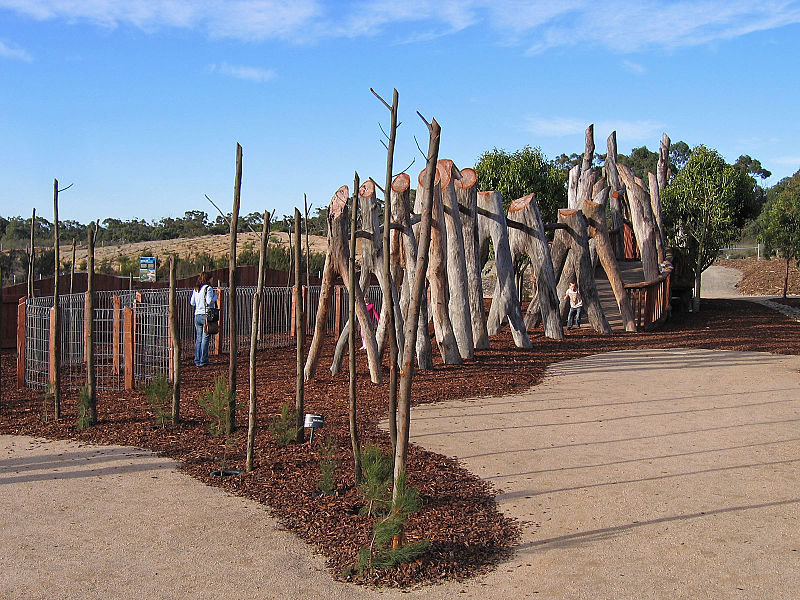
378 468
216 403
328 466
159 394
284 426
84 413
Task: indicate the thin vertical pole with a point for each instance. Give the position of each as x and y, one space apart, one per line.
55 347
175 359
72 269
237 190
31 258
299 327
89 312
21 323
352 336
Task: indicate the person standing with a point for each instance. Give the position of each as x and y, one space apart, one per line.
203 296
575 305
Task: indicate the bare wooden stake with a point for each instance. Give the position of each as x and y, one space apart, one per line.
233 346
89 318
352 319
300 329
55 350
176 341
31 258
72 269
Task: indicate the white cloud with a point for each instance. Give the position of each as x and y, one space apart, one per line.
633 67
627 131
625 26
255 74
788 161
13 52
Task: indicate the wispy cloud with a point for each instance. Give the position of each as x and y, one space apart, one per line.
627 131
624 26
633 67
255 74
13 52
789 161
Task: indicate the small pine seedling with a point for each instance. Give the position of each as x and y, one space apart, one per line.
84 414
328 466
283 428
215 402
378 470
159 393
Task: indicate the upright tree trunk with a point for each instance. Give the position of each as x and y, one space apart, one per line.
176 341
467 194
457 281
532 242
352 319
786 279
655 204
411 323
257 299
31 258
89 317
237 189
642 224
663 162
300 329
401 215
72 269
616 197
505 302
55 351
437 275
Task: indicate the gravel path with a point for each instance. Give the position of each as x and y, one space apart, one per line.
674 488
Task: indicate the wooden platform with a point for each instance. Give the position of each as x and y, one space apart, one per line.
631 273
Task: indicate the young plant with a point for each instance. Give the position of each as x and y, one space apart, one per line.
328 466
159 394
215 402
388 547
378 470
84 414
283 427
47 399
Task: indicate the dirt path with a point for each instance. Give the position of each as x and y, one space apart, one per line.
675 490
720 282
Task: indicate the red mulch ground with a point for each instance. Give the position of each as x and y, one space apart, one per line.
764 277
459 516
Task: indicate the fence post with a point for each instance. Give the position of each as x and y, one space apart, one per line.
87 318
53 355
292 329
115 335
127 343
21 325
337 315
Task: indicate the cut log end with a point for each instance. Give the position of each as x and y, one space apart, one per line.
339 201
367 189
421 178
566 212
468 179
444 168
520 203
401 183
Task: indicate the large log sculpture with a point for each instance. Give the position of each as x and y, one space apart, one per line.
579 268
530 240
658 221
505 303
616 195
404 266
437 274
467 193
336 261
458 304
639 203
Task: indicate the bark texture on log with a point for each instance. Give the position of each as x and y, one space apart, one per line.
437 274
596 220
406 265
658 221
639 202
533 243
505 302
467 194
662 170
336 261
582 270
616 196
572 186
457 281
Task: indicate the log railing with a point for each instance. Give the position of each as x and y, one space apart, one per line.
650 300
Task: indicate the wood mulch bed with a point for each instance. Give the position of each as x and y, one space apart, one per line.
468 534
764 277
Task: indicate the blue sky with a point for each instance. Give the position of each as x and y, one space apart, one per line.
140 104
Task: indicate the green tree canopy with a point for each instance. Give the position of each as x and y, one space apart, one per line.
779 224
519 173
704 205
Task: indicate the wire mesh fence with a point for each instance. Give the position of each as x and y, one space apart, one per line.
150 332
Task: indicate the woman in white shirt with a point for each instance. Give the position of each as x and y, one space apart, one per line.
203 296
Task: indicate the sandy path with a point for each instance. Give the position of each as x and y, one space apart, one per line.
675 490
720 282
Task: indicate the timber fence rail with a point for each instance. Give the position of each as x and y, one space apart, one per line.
650 300
131 332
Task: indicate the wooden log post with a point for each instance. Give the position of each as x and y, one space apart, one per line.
616 196
128 346
532 242
351 318
437 274
116 337
216 341
233 346
658 219
89 327
336 261
642 223
21 346
662 170
52 373
595 214
467 194
457 280
580 270
175 341
300 325
55 328
32 258
505 302
405 264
